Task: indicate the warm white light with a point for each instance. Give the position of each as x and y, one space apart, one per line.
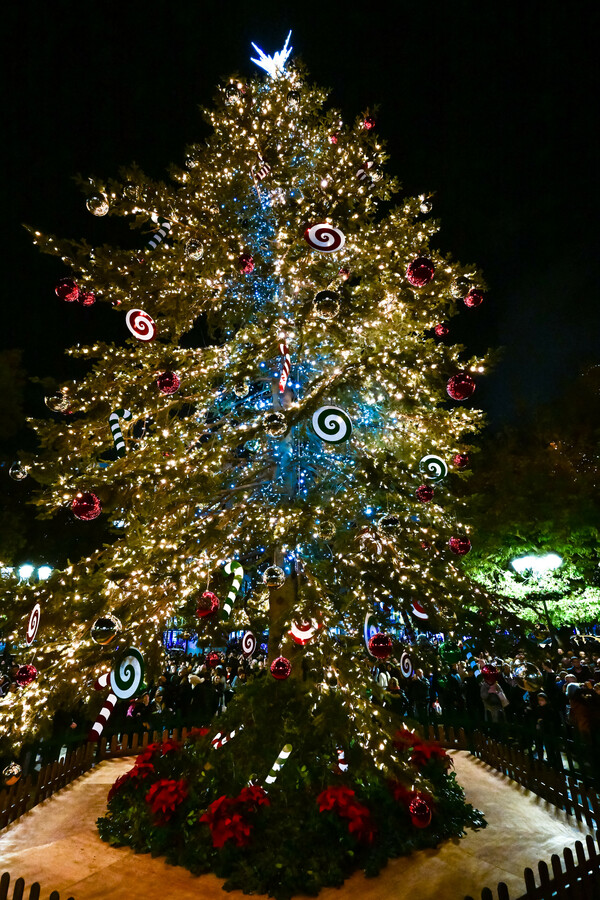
44 572
273 65
537 565
26 571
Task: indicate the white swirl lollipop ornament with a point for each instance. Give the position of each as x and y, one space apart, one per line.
248 644
406 666
33 624
332 424
433 467
324 237
141 325
127 675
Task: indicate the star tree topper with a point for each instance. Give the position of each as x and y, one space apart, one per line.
273 65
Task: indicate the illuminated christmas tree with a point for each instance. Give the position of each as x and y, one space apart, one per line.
282 426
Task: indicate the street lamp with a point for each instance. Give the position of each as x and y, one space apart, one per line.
537 565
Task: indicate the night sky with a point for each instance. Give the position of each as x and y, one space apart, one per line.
492 106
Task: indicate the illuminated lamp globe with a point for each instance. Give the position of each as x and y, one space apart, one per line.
208 604
281 668
380 645
105 629
86 506
461 386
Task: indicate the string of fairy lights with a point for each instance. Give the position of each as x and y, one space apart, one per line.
205 476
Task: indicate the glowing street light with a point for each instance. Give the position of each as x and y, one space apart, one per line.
537 565
25 572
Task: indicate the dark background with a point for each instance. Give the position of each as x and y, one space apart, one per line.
492 106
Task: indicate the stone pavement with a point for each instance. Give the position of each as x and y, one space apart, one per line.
56 843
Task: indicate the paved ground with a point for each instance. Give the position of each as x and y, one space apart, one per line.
57 844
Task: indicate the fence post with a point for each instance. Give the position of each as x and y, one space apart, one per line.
34 891
4 883
18 889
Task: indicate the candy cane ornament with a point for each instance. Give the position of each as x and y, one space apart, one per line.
278 764
220 739
287 365
104 714
164 227
113 421
233 567
342 764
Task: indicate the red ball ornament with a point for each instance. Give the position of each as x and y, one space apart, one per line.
473 299
26 675
459 545
212 659
281 668
86 506
246 263
461 386
420 271
168 382
87 298
380 645
490 674
441 330
461 461
368 123
207 604
420 811
424 493
333 138
67 290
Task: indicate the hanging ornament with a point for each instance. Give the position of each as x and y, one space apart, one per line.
344 274
363 173
25 675
127 673
450 652
281 668
113 421
104 681
326 304
324 237
368 123
67 290
420 811
334 138
33 624
380 645
461 386
87 298
460 288
164 227
490 674
424 493
86 506
278 764
220 740
459 545
441 329
141 325
246 263
325 530
369 629
418 611
234 568
105 629
59 402
473 299
303 632
97 204
370 542
168 382
420 271
274 577
332 424
242 389
194 249
287 365
388 523
433 467
406 666
261 170
232 93
461 461
293 98
275 423
248 643
208 604
425 206
18 471
11 773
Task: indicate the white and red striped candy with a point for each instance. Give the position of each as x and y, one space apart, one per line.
287 365
303 632
418 610
324 237
33 624
141 325
104 714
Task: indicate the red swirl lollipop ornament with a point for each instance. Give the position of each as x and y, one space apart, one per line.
141 325
324 237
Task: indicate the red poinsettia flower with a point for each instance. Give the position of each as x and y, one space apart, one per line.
405 739
336 798
401 793
198 732
254 795
226 823
425 751
142 769
360 823
169 745
165 796
119 783
147 754
342 800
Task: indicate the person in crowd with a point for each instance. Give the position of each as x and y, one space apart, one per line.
547 726
419 693
579 670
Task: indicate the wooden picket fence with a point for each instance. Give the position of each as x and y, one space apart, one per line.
567 880
19 889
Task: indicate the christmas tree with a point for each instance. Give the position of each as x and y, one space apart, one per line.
275 446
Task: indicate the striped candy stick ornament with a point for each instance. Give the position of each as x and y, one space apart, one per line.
104 714
164 227
287 365
278 764
233 567
113 421
342 764
220 739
